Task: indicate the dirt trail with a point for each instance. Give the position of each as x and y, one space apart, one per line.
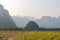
7 35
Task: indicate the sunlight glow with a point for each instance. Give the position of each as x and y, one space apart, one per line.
33 8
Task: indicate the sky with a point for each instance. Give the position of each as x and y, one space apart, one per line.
32 8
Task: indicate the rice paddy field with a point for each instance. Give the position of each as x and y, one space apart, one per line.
29 35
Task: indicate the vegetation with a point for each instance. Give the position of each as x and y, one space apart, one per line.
29 35
32 26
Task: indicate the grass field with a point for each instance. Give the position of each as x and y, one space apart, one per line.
29 35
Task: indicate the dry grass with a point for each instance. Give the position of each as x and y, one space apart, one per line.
29 35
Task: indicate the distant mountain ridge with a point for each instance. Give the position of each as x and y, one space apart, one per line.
45 21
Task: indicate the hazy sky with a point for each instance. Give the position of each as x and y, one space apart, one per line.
32 8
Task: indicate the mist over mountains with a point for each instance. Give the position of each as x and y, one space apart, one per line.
45 21
6 21
22 21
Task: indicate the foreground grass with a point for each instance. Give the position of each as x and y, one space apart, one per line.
29 35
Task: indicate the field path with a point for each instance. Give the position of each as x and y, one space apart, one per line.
7 35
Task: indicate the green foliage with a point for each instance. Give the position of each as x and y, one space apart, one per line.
32 26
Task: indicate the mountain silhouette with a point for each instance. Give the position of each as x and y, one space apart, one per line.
45 21
32 26
6 21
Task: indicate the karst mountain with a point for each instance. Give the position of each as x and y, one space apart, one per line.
6 21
